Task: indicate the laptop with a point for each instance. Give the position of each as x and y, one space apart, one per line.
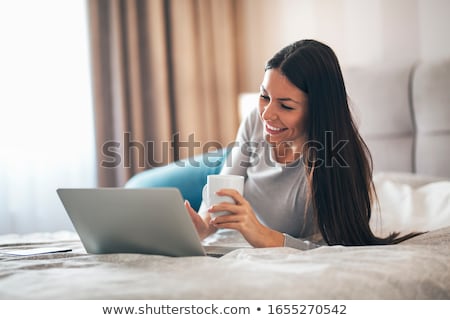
120 220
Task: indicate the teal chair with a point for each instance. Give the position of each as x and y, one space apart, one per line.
188 175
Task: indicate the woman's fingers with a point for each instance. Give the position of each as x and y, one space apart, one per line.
203 228
196 218
237 219
191 210
237 197
239 206
225 206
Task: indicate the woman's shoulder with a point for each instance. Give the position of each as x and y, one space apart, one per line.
252 124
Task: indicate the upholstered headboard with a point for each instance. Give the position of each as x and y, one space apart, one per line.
403 114
431 104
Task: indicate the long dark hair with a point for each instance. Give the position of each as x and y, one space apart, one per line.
341 189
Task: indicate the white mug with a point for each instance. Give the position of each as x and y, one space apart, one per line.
216 182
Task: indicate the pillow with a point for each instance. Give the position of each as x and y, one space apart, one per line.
410 202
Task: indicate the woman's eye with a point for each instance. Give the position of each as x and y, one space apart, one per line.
264 97
286 107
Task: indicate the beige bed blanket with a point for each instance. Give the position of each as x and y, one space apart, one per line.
416 269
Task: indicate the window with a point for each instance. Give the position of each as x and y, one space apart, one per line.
46 115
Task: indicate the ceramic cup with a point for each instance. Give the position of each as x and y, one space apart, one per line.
217 182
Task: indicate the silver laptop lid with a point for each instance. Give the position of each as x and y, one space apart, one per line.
117 220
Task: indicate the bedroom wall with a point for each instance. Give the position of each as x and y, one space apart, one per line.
361 32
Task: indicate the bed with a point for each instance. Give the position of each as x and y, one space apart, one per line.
415 269
411 154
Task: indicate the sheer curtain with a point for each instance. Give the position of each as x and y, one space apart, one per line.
46 118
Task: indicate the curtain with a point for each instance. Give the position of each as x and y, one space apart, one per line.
164 82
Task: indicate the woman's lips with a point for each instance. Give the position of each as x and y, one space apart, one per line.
274 130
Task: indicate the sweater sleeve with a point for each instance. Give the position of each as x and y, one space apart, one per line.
298 243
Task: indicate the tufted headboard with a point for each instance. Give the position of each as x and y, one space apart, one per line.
403 114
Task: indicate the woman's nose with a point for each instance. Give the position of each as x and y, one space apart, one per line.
268 113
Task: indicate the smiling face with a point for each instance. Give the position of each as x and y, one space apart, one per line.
283 108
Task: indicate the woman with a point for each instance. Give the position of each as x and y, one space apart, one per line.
308 172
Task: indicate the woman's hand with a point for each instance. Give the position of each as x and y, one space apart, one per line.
243 219
204 229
